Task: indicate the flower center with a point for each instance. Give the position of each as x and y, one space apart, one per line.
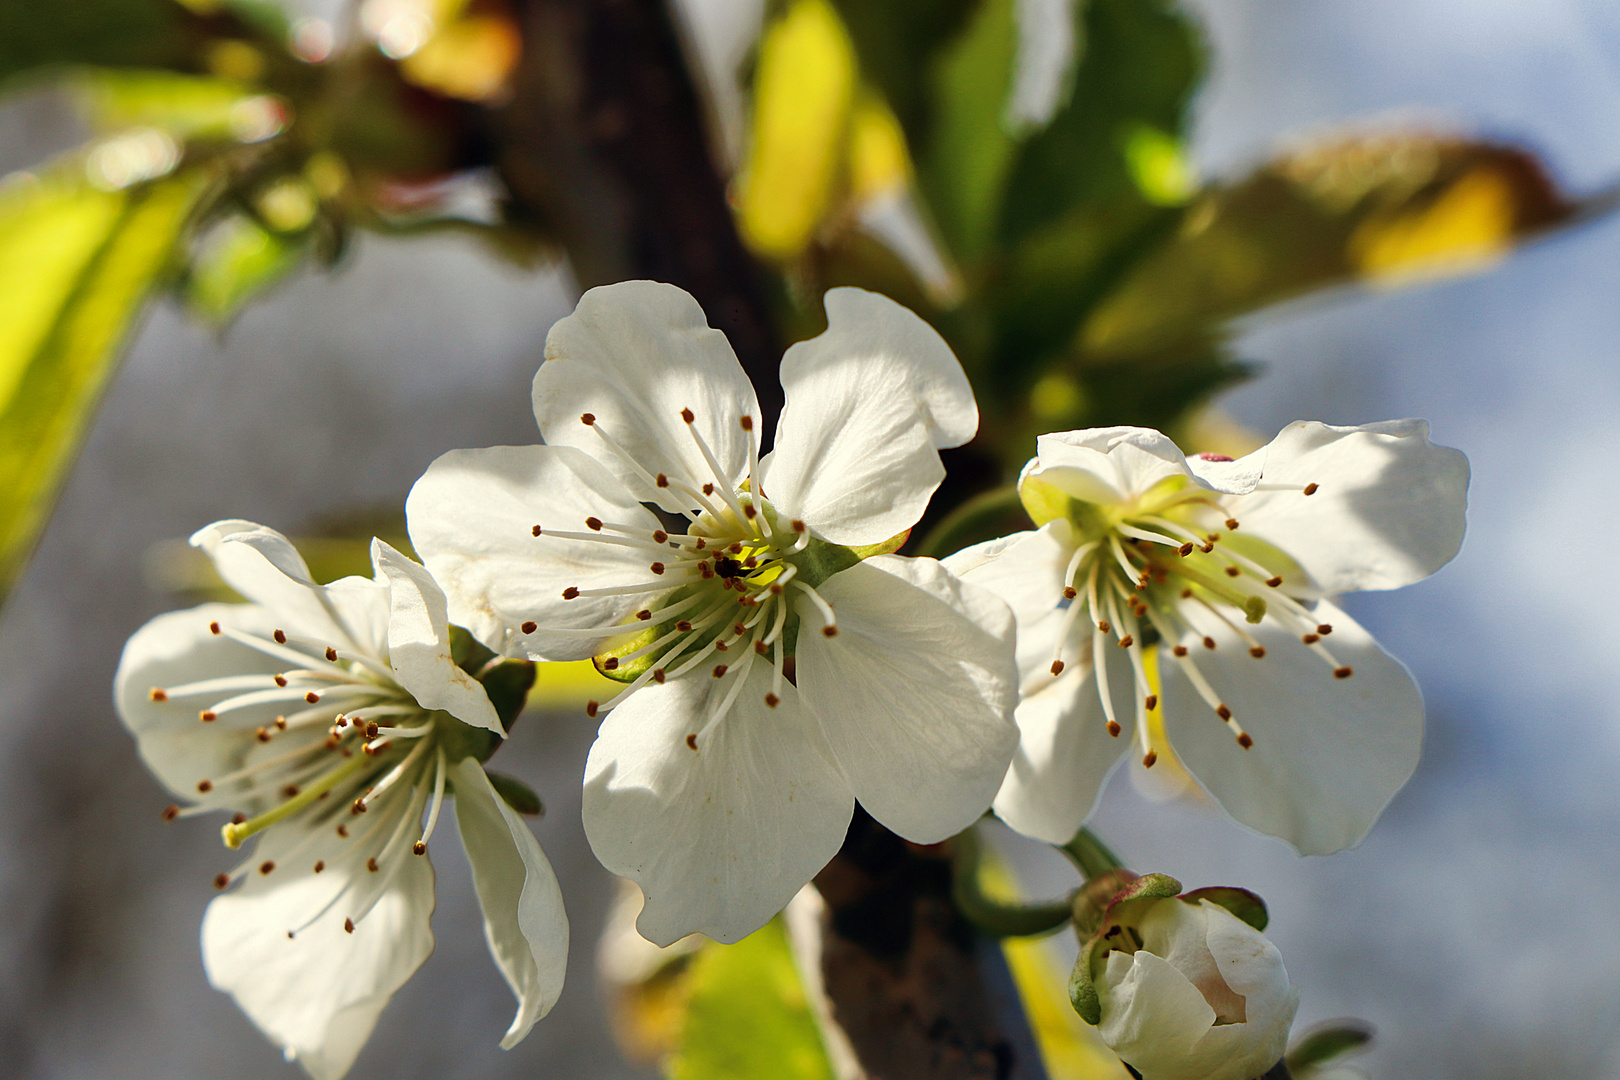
720 595
1171 566
346 741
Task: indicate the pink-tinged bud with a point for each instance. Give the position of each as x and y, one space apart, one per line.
1185 987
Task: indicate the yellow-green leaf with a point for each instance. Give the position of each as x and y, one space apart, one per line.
238 261
76 264
1382 210
747 1017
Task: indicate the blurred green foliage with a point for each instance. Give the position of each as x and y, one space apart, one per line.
746 1015
1070 258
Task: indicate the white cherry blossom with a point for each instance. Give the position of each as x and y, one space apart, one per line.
1188 600
331 719
779 663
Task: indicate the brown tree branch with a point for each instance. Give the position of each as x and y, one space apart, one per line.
919 995
605 141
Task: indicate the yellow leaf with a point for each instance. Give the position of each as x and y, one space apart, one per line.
803 93
878 161
469 59
1071 1047
1469 227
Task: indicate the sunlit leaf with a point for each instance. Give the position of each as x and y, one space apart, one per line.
236 262
1072 1048
188 106
1142 62
469 58
1382 209
76 263
878 159
804 88
747 1017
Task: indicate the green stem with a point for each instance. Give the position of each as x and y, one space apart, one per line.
1091 856
999 918
968 522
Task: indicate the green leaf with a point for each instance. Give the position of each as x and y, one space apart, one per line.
111 33
76 265
1323 1043
239 260
1387 209
898 43
1143 60
1084 201
518 795
964 163
747 1017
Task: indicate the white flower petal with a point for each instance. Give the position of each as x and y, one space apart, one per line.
1026 571
1328 753
175 648
1064 751
1179 932
720 838
1064 755
1106 465
1152 1016
1230 477
1217 956
472 518
869 404
419 643
633 355
915 692
524 921
318 994
1388 509
1253 968
264 567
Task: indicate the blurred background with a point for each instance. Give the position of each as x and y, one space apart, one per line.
1479 925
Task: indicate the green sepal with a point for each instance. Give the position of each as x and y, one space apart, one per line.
1091 902
1327 1041
508 682
461 740
1146 887
634 639
1240 902
468 652
820 560
1082 989
1122 909
518 795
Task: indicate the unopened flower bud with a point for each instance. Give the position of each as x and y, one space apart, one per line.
1185 987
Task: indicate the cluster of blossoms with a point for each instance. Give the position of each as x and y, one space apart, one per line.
779 662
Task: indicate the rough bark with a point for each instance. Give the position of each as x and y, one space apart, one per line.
919 995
